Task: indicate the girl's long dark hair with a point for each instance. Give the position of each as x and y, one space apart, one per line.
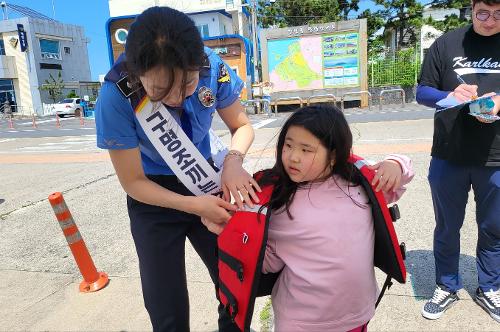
329 125
163 37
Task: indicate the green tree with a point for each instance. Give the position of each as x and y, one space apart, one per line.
287 13
404 17
452 21
54 87
72 94
375 22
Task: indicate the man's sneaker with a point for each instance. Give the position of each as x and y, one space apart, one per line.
441 300
489 301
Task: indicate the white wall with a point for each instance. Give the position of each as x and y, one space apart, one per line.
215 21
25 83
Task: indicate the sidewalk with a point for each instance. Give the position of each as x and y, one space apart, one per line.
39 278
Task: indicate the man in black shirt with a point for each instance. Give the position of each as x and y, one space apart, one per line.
465 153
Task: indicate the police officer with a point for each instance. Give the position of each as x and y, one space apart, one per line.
166 64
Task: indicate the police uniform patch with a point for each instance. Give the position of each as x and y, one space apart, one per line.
206 96
223 74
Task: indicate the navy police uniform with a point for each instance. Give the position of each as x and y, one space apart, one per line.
160 233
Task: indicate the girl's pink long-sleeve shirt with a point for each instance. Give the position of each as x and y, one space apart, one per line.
326 253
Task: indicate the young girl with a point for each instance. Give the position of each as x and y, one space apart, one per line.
321 233
166 63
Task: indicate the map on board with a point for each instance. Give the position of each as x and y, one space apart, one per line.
314 62
295 63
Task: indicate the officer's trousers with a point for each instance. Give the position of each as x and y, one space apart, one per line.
450 184
160 235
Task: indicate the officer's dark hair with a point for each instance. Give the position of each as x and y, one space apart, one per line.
162 36
328 124
487 2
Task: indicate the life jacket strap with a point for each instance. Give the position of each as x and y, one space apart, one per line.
387 285
235 264
232 304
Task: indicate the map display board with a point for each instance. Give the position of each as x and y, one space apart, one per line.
314 61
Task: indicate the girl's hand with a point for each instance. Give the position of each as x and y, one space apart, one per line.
238 183
212 208
388 175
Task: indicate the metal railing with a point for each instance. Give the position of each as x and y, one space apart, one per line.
301 101
356 93
325 96
403 95
257 102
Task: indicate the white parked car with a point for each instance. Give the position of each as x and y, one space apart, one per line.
68 106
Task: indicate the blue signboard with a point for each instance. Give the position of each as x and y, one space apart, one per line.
23 40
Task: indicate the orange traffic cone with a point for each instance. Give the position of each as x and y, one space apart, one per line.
92 280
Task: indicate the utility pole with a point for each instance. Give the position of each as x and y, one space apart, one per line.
53 10
4 10
255 42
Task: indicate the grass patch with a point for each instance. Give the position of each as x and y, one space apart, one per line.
266 317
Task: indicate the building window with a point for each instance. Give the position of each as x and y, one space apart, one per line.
50 49
50 66
7 92
2 47
203 29
67 50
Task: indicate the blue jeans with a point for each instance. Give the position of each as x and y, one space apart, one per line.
450 184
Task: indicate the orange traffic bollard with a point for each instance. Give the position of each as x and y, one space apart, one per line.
92 280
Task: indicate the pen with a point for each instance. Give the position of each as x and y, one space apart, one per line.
461 80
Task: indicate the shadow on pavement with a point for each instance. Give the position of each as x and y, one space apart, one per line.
420 266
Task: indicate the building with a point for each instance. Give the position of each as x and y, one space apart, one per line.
225 26
34 48
212 17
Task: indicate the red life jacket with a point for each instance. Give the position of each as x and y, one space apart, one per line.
242 245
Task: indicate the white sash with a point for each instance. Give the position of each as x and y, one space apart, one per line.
173 145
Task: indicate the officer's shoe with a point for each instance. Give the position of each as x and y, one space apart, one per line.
489 301
440 302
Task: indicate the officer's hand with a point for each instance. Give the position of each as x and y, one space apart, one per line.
212 226
213 208
236 182
388 175
465 92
